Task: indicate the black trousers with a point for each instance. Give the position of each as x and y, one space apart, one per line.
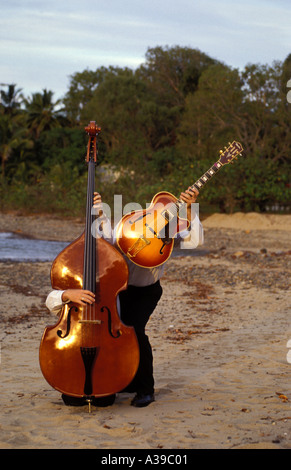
137 304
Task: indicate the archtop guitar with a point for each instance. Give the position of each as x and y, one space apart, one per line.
146 236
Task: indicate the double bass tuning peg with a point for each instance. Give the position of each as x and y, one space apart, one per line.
92 129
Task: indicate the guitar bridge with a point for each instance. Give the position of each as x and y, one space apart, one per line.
140 243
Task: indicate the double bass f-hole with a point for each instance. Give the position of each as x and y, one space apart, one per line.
118 332
68 325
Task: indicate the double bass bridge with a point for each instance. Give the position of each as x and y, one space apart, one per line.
94 322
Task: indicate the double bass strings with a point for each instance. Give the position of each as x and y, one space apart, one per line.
89 271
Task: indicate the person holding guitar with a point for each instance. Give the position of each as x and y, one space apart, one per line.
145 238
137 302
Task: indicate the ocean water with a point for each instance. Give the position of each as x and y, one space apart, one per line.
14 247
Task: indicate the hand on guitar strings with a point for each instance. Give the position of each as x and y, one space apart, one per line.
190 196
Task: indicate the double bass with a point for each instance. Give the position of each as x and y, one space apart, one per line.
89 352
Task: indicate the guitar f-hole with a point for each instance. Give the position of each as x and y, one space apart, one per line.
166 241
139 218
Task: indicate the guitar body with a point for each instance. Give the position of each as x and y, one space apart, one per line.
146 236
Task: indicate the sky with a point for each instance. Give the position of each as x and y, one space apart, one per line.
43 43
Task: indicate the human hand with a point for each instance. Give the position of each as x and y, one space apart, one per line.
97 204
97 200
189 196
78 296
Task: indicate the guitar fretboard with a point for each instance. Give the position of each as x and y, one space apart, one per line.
201 181
207 176
227 156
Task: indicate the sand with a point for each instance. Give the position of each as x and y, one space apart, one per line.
219 336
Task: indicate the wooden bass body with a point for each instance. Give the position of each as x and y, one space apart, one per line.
89 352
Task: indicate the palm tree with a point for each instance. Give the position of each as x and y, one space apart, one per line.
42 113
10 99
12 129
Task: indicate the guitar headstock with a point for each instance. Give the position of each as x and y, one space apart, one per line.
230 153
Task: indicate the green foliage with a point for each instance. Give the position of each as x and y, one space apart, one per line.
162 127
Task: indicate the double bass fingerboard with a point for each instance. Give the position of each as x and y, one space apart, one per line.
89 272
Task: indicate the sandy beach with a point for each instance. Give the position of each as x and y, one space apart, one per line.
219 336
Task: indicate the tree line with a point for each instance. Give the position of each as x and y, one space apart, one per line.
163 125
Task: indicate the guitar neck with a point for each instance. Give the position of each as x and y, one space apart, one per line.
204 179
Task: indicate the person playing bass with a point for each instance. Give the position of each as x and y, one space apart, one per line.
136 303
